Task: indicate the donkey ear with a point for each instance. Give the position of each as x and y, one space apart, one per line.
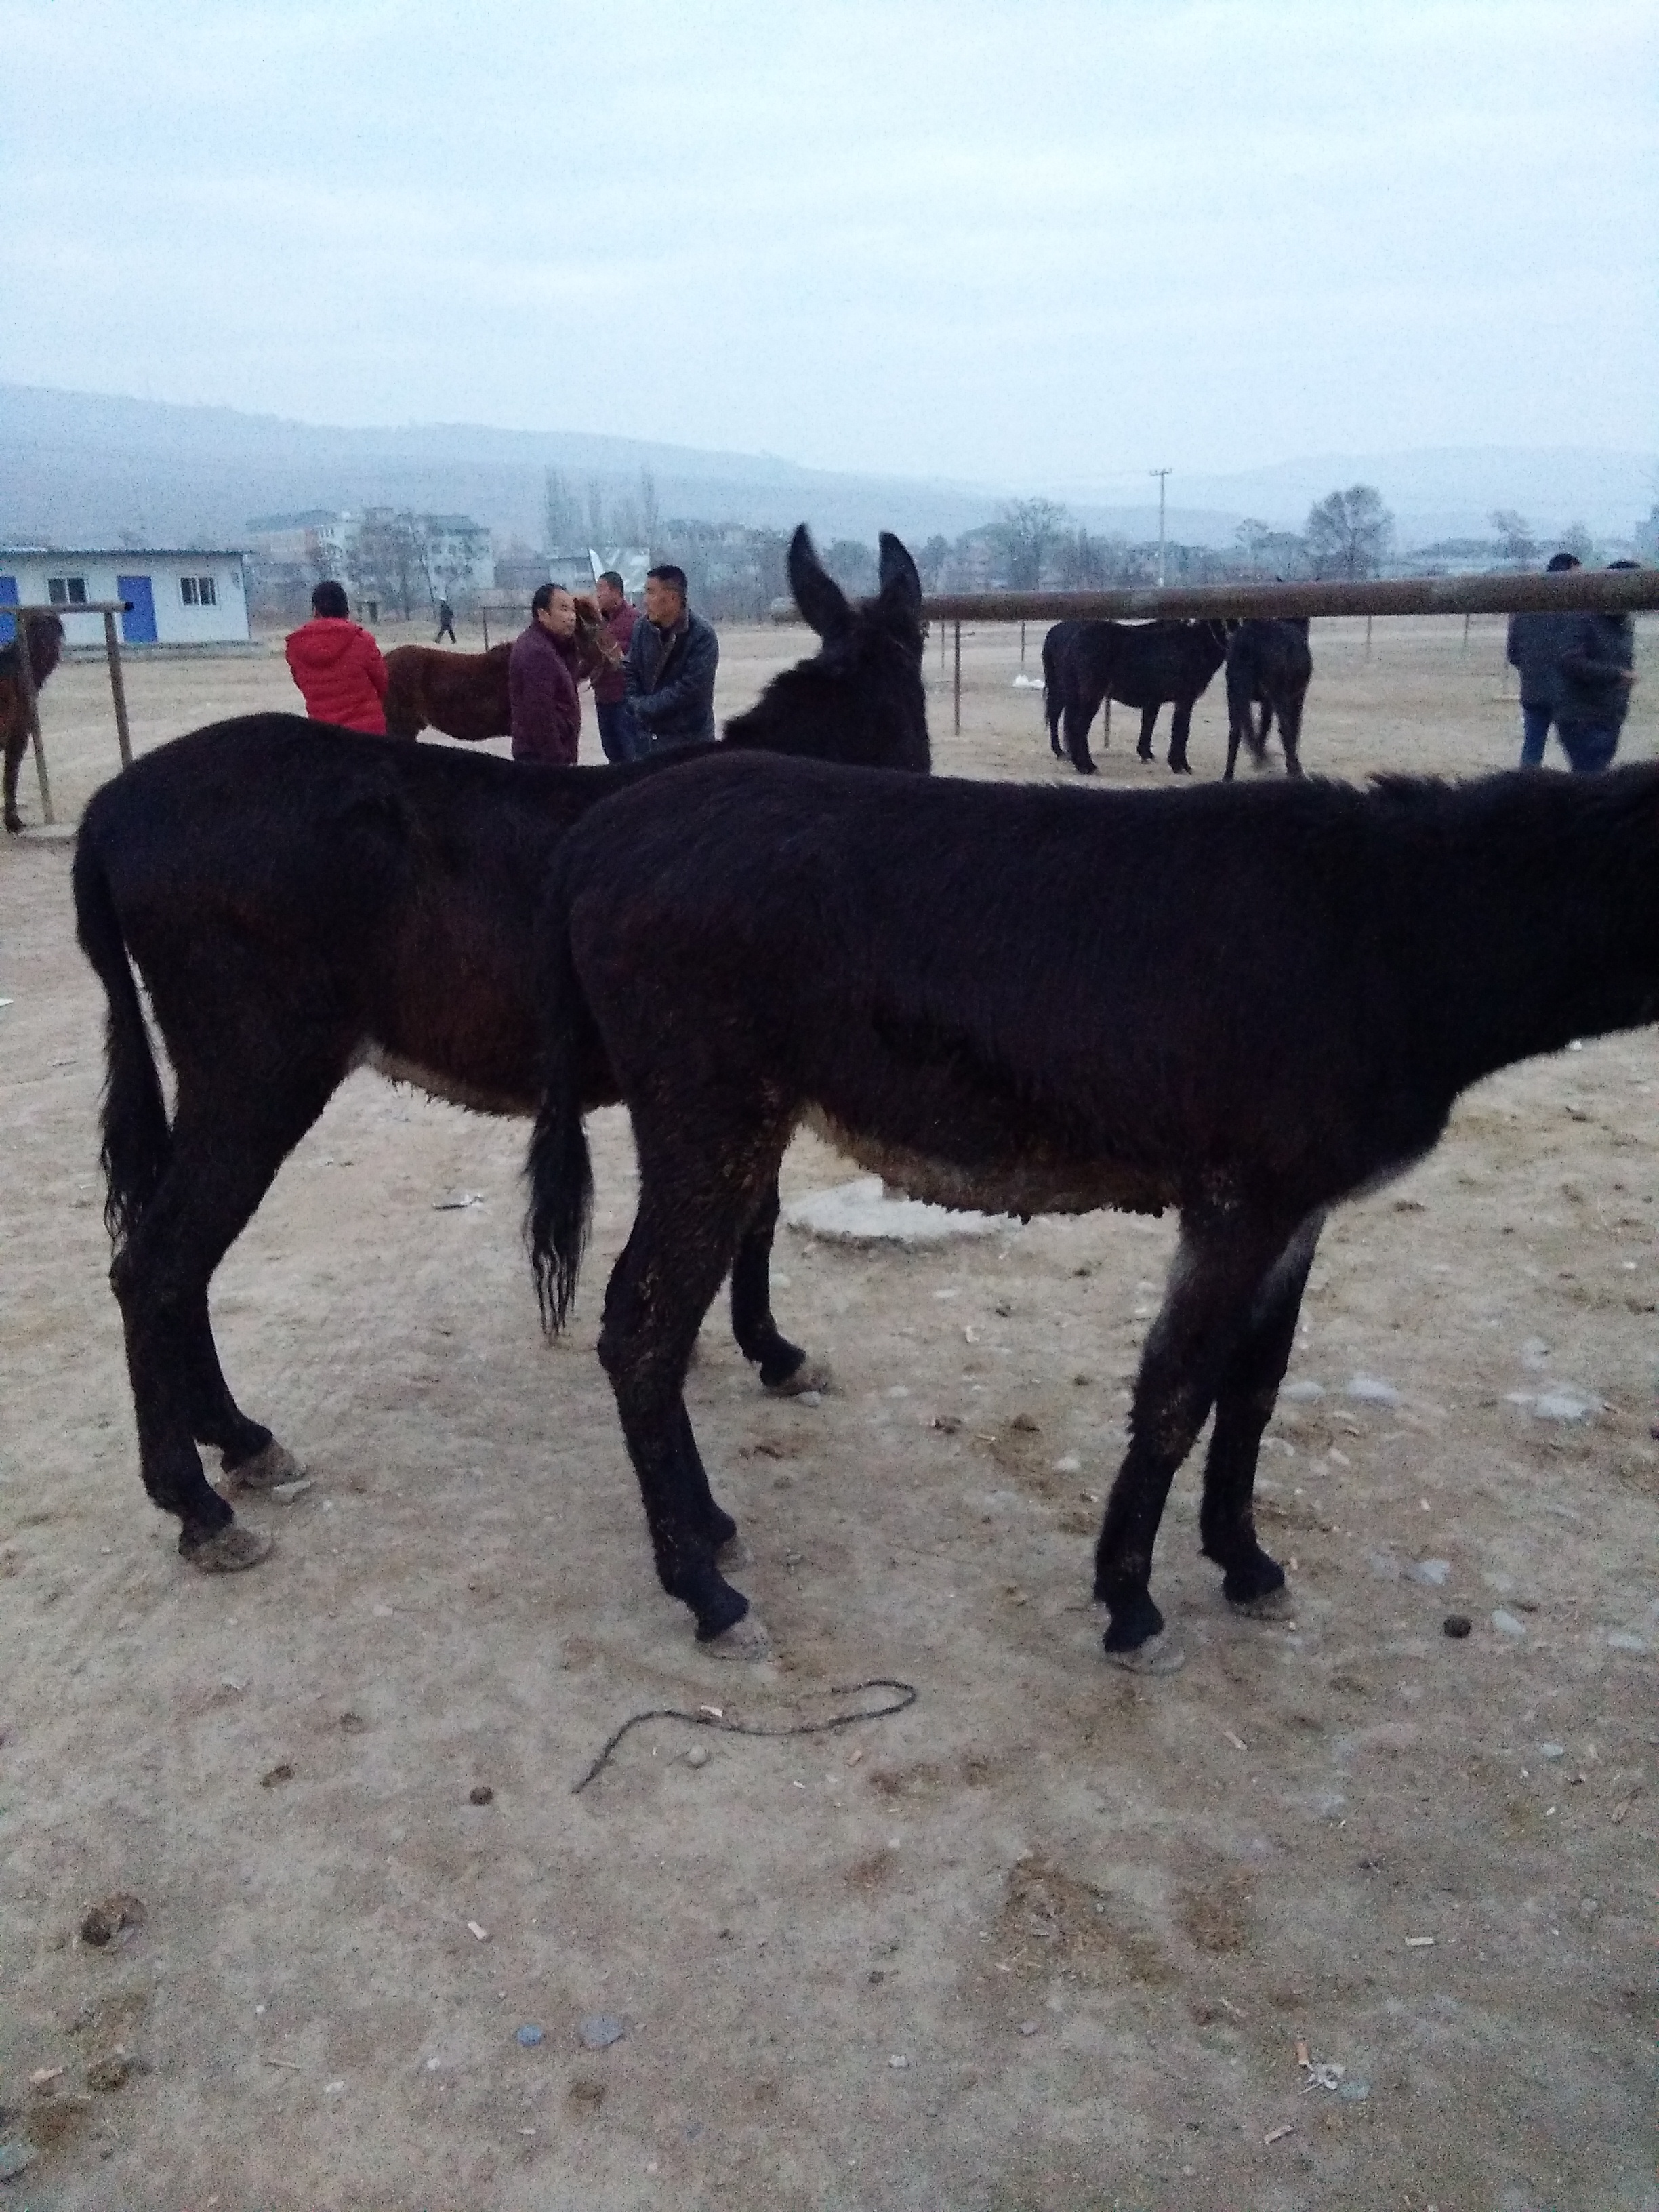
899 577
819 597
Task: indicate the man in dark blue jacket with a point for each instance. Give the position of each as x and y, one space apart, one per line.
1534 648
672 660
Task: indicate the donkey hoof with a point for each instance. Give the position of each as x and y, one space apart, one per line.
1271 1605
1157 1655
271 1464
745 1640
236 1547
734 1554
811 1375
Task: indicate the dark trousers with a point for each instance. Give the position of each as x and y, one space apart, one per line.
445 629
1590 746
620 735
1534 732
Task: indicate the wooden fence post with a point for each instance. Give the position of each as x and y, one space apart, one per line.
956 687
1368 637
118 689
1022 645
484 616
31 712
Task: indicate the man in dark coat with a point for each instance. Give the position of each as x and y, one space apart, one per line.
541 682
1594 676
445 623
671 660
619 734
1534 648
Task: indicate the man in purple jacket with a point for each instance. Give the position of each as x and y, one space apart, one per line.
619 733
541 682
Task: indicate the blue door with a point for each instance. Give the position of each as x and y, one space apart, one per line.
8 622
138 626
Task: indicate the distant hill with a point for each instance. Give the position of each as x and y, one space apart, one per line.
87 466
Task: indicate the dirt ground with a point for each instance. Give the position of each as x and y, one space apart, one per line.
1049 1938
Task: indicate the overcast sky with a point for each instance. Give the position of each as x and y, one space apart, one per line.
1044 245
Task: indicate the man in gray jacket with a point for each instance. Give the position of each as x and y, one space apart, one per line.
672 657
1534 647
1593 673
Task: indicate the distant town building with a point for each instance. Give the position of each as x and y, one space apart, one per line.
376 552
185 595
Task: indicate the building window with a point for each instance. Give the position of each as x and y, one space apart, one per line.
198 591
66 590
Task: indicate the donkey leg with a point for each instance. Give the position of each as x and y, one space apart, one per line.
1289 733
1079 713
690 1220
1148 724
1179 728
1244 1405
223 1162
1219 1266
16 742
785 1369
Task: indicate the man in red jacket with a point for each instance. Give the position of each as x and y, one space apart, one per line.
619 732
337 667
541 682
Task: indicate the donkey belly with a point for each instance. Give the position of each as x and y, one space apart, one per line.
1037 1179
484 1090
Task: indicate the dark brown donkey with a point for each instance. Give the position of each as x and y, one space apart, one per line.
1246 1004
299 900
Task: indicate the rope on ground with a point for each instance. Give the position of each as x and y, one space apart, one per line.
710 1716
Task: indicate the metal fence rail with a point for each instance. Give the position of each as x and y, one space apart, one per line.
1602 591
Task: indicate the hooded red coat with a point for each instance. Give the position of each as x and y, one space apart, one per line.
340 674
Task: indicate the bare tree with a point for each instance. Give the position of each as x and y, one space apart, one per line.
930 561
561 518
1349 533
1250 537
650 515
388 559
595 511
1516 543
1577 539
853 565
1021 533
1080 561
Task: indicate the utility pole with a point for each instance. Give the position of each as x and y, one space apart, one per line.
1160 474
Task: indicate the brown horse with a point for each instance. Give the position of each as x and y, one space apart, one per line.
464 695
46 642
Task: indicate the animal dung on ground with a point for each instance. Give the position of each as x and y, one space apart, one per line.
597 2030
111 1917
281 1773
480 1793
1456 1626
109 2073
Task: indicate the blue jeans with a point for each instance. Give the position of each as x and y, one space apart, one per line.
1590 746
1535 733
619 733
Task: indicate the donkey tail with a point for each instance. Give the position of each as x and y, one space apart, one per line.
558 1169
137 1143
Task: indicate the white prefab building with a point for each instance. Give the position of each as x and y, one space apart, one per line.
179 596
